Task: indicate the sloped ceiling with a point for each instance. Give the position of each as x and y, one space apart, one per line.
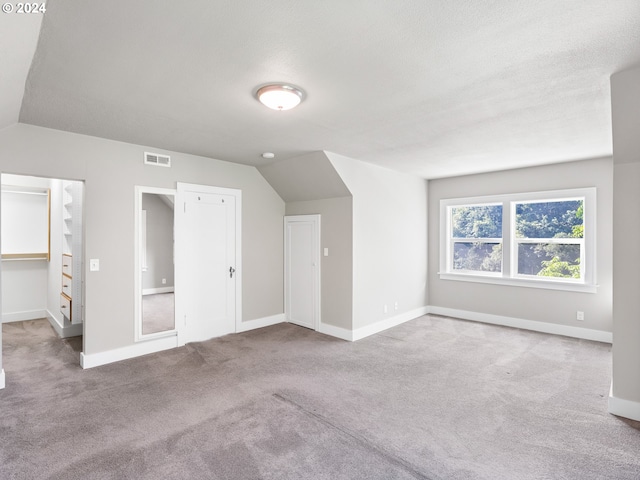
308 177
19 35
424 86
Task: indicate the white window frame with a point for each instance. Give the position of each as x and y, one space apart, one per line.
509 276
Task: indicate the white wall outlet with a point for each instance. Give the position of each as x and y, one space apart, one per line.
164 281
395 305
385 309
326 252
94 265
580 315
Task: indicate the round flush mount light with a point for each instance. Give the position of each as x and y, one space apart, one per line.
279 96
268 155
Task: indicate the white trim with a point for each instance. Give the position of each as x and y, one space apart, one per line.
338 332
139 253
260 322
131 351
520 281
534 325
509 275
2 379
391 322
22 316
72 330
153 291
623 408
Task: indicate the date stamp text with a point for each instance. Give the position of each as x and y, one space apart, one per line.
20 8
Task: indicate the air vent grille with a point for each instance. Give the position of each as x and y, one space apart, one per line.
157 159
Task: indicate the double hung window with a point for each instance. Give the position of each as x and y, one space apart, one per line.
542 239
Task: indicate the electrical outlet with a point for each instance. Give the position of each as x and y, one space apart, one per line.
94 265
395 305
164 281
385 309
580 315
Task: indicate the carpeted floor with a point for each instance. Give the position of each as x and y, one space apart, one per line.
434 398
158 313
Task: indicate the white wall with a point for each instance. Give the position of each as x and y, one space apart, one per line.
111 170
24 282
389 240
625 97
336 231
551 306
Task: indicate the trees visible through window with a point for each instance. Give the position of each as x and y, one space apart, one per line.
550 238
476 235
533 236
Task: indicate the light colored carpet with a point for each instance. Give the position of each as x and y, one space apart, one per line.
158 312
434 398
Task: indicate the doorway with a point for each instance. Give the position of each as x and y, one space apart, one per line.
208 262
42 257
302 270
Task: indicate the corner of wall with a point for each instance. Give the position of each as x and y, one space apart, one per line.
623 408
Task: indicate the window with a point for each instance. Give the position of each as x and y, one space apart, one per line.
544 239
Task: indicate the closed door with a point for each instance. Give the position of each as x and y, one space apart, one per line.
302 270
207 281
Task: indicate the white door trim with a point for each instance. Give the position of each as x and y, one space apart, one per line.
315 219
182 189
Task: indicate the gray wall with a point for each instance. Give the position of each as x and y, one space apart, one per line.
550 306
336 230
625 97
111 170
389 240
159 242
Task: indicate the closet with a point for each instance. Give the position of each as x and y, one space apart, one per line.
42 251
71 294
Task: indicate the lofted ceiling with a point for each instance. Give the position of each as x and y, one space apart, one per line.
429 87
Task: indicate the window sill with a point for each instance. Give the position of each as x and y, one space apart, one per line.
521 282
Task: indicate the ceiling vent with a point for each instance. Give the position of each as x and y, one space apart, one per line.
157 159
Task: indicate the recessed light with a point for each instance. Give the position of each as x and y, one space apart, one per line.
279 96
268 155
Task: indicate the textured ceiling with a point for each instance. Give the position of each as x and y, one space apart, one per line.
424 86
19 34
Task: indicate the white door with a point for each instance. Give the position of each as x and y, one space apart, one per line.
302 270
207 266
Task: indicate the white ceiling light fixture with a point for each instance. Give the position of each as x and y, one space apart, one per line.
279 96
268 155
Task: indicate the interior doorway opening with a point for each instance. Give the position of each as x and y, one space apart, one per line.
42 237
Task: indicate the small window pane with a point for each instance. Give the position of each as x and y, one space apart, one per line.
549 260
550 219
480 257
483 221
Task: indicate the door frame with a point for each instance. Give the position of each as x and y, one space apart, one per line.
317 292
181 190
139 190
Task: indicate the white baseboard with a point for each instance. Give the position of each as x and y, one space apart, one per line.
623 408
73 330
124 353
1 379
337 332
22 316
153 291
260 323
565 330
390 322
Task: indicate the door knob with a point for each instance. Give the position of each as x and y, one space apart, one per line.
231 272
